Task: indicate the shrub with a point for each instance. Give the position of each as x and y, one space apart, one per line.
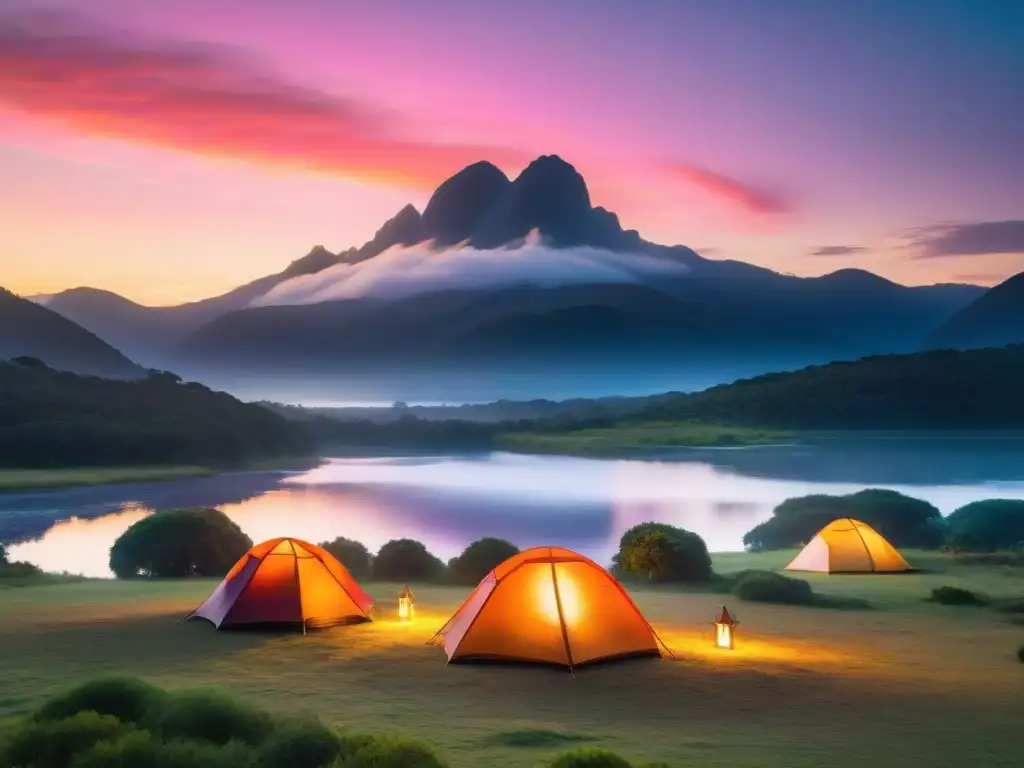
19 570
406 560
956 596
590 757
478 559
1020 654
126 698
54 744
203 715
663 553
903 520
387 752
3 555
352 554
769 587
988 525
142 749
301 745
178 543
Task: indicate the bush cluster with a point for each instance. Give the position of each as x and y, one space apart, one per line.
178 543
478 559
14 570
127 723
124 722
205 542
956 596
987 526
771 587
903 520
663 553
352 554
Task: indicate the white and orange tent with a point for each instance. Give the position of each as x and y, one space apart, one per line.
286 581
849 546
548 605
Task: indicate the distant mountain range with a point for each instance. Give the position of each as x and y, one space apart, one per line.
30 330
709 314
993 320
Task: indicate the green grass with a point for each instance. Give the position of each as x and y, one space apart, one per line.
43 479
640 437
805 687
46 479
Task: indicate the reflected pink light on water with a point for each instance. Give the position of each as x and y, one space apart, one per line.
447 502
77 545
314 515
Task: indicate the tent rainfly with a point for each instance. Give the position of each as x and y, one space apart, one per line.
849 546
286 581
548 605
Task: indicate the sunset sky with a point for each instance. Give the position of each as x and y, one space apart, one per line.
170 150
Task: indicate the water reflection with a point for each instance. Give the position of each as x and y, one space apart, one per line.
446 502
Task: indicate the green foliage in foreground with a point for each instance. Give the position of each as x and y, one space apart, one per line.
663 553
127 723
178 543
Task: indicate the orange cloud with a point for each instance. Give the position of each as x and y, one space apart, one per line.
208 100
729 190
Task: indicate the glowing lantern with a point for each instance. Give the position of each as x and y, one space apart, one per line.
725 629
406 605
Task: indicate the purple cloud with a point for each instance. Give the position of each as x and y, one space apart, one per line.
837 250
973 239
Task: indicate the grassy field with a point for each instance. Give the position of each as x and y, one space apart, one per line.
46 479
635 437
908 683
43 479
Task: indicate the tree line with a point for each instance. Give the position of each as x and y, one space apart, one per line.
989 525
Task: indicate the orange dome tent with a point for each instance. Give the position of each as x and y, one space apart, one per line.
849 546
286 581
548 605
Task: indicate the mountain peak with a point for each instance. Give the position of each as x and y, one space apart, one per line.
550 196
851 277
460 203
317 259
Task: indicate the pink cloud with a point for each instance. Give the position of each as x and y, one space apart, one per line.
209 100
736 193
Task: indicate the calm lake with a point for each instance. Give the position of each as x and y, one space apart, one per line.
583 504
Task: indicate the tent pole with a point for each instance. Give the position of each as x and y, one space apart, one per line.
561 618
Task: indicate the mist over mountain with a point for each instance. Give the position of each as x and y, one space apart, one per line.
404 271
528 284
994 320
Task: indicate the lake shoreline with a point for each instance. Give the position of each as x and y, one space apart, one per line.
17 480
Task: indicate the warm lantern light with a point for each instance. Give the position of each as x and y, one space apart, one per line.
725 629
406 605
